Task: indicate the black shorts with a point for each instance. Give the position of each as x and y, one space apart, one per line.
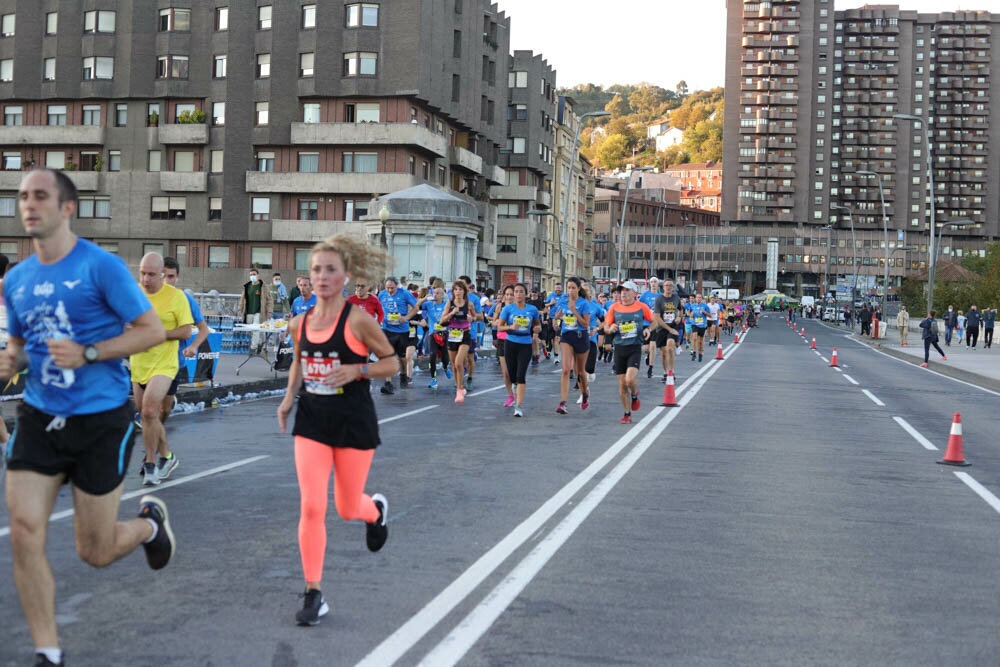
453 345
662 336
182 376
699 331
91 450
578 340
627 356
399 340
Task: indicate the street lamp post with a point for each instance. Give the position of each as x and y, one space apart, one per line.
854 251
952 223
930 187
652 244
826 276
694 248
562 241
621 225
885 231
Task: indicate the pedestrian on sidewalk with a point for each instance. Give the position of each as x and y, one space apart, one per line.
930 337
950 319
336 428
903 324
973 321
989 322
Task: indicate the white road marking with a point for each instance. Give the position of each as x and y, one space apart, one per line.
165 485
873 397
980 490
851 380
408 414
420 624
915 434
940 375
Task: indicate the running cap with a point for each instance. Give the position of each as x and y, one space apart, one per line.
628 284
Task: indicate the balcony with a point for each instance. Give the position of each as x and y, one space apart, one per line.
51 134
86 181
369 134
184 181
295 182
495 175
465 159
184 133
543 199
310 231
513 192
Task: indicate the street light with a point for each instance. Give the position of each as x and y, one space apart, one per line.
694 247
854 250
826 276
567 181
885 230
930 186
621 225
562 241
952 223
652 245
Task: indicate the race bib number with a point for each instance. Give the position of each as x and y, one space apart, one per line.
394 318
627 329
522 322
669 317
699 320
569 322
413 331
439 327
314 370
456 335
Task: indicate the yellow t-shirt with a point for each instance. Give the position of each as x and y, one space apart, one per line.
173 310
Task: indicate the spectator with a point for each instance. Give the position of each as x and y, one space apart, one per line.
973 321
903 324
255 306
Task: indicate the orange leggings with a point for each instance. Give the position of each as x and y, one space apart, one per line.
313 464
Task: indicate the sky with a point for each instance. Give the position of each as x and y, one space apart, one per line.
660 42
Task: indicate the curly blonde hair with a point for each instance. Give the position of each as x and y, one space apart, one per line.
361 260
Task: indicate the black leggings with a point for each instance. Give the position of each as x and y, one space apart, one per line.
518 356
927 348
988 337
592 358
434 351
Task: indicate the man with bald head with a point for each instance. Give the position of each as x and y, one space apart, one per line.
154 370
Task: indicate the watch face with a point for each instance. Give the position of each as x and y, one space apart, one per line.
90 353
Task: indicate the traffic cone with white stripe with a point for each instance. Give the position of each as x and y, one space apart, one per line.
803 332
669 395
736 338
718 353
833 358
812 346
953 455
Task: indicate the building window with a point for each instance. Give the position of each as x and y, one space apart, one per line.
172 67
168 208
265 160
519 145
11 161
362 14
308 209
368 112
308 16
184 161
152 114
121 115
355 209
506 244
8 205
7 25
55 159
261 257
98 68
51 23
7 69
306 61
309 163
215 208
216 161
153 161
181 109
49 69
88 160
218 113
260 209
302 258
218 257
360 163
260 117
99 21
310 112
13 115
175 20
91 114
456 44
263 65
114 160
222 18
56 114
219 69
264 17
517 80
509 210
94 207
360 63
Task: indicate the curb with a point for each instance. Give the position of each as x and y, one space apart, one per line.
207 394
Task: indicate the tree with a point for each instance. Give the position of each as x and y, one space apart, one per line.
674 155
618 106
613 151
648 101
682 88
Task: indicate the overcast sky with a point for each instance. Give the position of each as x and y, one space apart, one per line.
658 41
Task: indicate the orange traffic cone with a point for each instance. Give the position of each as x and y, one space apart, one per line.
669 397
833 358
803 332
812 346
736 338
953 455
718 352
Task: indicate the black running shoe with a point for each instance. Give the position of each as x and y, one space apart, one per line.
388 389
159 551
313 608
378 531
649 371
42 660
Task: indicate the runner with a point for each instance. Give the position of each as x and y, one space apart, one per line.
458 315
306 299
171 273
520 320
574 313
437 345
712 317
666 323
154 370
507 297
697 313
649 298
365 300
477 308
336 428
626 320
68 306
552 330
399 306
537 345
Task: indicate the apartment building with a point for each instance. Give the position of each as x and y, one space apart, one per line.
236 133
812 95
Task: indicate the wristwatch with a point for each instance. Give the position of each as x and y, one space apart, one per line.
364 371
90 354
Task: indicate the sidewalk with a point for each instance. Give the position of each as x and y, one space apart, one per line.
255 375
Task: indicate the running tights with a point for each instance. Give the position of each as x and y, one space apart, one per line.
435 351
313 464
518 356
927 349
592 358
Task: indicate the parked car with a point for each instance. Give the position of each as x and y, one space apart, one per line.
831 314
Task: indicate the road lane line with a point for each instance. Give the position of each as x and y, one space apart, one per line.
421 623
453 648
873 397
408 414
980 490
165 485
912 364
851 380
486 391
915 434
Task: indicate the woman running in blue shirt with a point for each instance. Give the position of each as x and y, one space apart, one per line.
574 313
520 320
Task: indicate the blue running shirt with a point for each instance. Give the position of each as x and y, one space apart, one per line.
396 306
523 319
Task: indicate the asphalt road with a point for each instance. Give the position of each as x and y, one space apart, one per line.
780 516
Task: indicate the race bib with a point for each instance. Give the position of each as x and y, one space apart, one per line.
394 318
699 320
522 322
439 327
627 329
413 331
669 317
314 370
456 335
569 322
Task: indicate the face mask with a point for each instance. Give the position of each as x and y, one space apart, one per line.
277 282
253 279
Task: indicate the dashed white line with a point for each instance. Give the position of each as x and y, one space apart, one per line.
872 396
850 379
980 490
915 434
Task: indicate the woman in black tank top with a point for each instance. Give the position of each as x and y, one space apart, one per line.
457 317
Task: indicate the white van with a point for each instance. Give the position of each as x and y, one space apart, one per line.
726 294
